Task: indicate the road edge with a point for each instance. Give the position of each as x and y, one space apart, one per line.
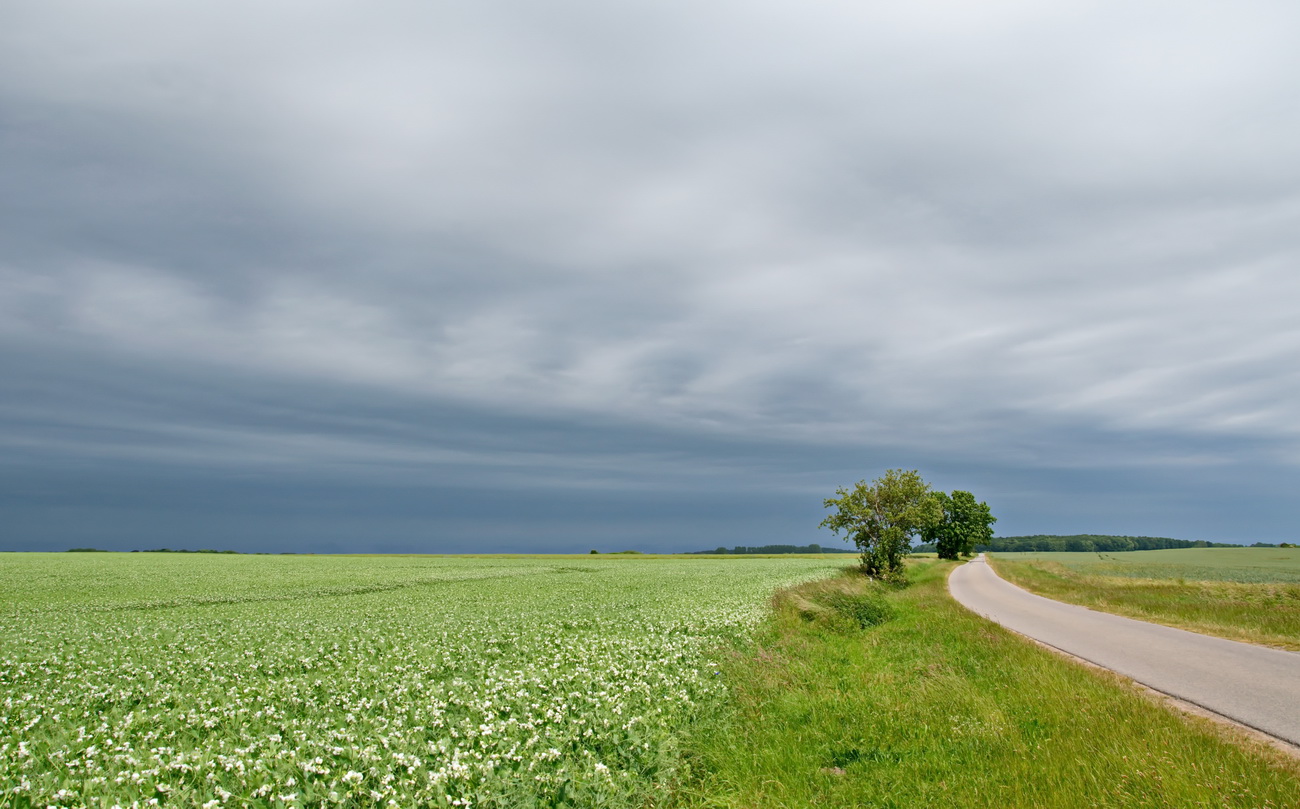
1231 729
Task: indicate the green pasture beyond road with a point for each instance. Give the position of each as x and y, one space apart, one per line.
1246 594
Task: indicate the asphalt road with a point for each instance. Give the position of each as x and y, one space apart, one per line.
1253 685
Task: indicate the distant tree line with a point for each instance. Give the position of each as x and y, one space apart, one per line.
180 550
742 549
1088 543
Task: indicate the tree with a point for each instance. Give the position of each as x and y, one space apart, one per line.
939 533
964 524
881 518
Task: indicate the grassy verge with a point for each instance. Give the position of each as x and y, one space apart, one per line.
1255 612
854 695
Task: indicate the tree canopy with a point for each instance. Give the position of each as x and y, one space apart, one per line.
882 517
965 524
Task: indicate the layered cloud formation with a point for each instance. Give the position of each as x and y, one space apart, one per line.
509 276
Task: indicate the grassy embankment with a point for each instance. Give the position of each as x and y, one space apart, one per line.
934 706
1246 594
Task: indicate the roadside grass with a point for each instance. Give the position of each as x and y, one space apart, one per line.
923 703
1256 610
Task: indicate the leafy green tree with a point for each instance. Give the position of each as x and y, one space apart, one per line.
881 518
965 523
939 533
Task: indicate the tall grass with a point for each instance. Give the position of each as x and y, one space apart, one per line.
1256 610
934 706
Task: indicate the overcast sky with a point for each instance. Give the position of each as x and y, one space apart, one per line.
505 275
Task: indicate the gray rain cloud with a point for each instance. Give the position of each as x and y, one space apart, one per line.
510 276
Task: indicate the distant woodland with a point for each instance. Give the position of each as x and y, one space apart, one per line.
743 549
1086 543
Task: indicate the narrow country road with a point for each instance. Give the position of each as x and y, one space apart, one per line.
1253 685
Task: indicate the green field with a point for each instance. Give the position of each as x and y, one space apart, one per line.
1248 594
561 681
211 680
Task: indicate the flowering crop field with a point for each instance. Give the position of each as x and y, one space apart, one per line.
225 680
